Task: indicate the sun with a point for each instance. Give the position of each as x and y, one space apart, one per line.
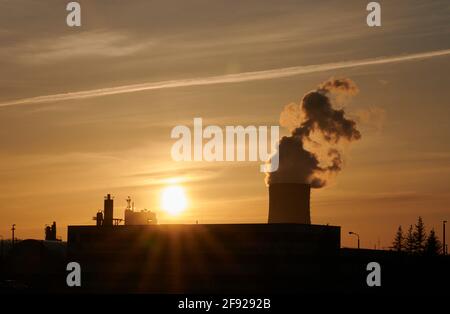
173 199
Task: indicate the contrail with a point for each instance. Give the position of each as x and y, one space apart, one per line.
223 79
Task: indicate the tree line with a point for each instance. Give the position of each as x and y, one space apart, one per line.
416 241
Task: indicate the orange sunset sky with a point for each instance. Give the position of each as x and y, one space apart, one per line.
59 156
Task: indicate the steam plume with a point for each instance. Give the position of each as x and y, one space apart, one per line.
313 153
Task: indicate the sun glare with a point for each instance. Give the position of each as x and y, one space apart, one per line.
173 199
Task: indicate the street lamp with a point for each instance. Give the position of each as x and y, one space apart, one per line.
354 233
13 229
444 247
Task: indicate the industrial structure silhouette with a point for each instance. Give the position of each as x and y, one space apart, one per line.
286 255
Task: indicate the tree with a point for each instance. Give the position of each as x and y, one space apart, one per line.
432 245
398 244
419 236
410 241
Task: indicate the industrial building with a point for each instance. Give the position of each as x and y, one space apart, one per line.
285 255
131 216
50 233
143 256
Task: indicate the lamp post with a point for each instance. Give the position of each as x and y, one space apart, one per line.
444 247
354 233
13 229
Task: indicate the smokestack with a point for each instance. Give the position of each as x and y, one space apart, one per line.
53 230
289 203
99 219
108 211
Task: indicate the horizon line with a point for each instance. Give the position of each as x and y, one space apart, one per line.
224 79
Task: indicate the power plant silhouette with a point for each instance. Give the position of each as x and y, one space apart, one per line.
137 255
205 257
288 203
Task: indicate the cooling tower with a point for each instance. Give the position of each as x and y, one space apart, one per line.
289 203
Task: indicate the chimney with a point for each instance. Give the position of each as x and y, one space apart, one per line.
289 203
108 211
99 219
53 230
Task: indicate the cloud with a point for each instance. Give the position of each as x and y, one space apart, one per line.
372 118
382 197
224 79
176 175
85 44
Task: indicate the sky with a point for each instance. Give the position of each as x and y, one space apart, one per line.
148 66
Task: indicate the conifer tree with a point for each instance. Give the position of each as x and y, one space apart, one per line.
432 245
410 241
398 244
420 236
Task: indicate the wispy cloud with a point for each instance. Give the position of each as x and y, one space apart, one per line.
92 44
386 197
224 79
